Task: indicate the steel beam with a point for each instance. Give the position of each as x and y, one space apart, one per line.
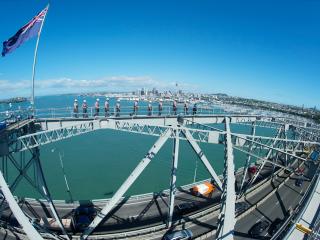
173 175
43 185
125 186
212 135
153 120
22 172
247 164
44 137
267 157
279 140
16 210
46 193
202 156
227 218
261 158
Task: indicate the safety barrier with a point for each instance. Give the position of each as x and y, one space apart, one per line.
68 112
289 226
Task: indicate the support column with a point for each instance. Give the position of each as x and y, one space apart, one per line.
126 185
286 129
173 175
227 218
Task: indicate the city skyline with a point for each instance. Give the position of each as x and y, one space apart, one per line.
266 51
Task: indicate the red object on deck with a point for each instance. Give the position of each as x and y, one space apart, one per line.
252 169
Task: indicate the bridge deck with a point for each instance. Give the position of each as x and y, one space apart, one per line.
19 124
309 216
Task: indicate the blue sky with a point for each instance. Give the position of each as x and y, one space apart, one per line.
268 50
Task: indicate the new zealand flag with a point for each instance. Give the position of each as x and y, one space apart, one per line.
30 30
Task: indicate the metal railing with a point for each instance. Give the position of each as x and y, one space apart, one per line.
124 111
68 112
315 234
289 225
15 115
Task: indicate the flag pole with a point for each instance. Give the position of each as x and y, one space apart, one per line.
35 62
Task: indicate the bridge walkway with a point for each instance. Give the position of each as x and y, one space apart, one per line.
309 217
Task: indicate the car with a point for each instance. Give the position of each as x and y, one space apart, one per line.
275 225
241 207
298 182
299 171
185 207
257 229
178 235
287 171
252 169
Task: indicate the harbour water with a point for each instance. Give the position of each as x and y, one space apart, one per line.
96 164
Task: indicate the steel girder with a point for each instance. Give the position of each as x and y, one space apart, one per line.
212 135
247 164
267 156
126 185
202 157
29 229
44 137
174 168
227 221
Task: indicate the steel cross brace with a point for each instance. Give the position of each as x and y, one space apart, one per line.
156 130
46 192
202 156
44 137
126 185
43 189
29 229
262 124
22 172
248 139
266 158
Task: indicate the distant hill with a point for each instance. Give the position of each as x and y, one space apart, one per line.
14 100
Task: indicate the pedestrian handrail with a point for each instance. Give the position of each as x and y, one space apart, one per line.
69 112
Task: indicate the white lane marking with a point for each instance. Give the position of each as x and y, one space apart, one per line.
260 219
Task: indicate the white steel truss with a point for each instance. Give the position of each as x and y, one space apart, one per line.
242 142
45 137
267 157
29 229
212 135
248 160
227 219
202 157
126 185
174 169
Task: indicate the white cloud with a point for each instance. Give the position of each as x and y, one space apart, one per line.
68 85
6 85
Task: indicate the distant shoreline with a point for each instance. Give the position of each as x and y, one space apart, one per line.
14 100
